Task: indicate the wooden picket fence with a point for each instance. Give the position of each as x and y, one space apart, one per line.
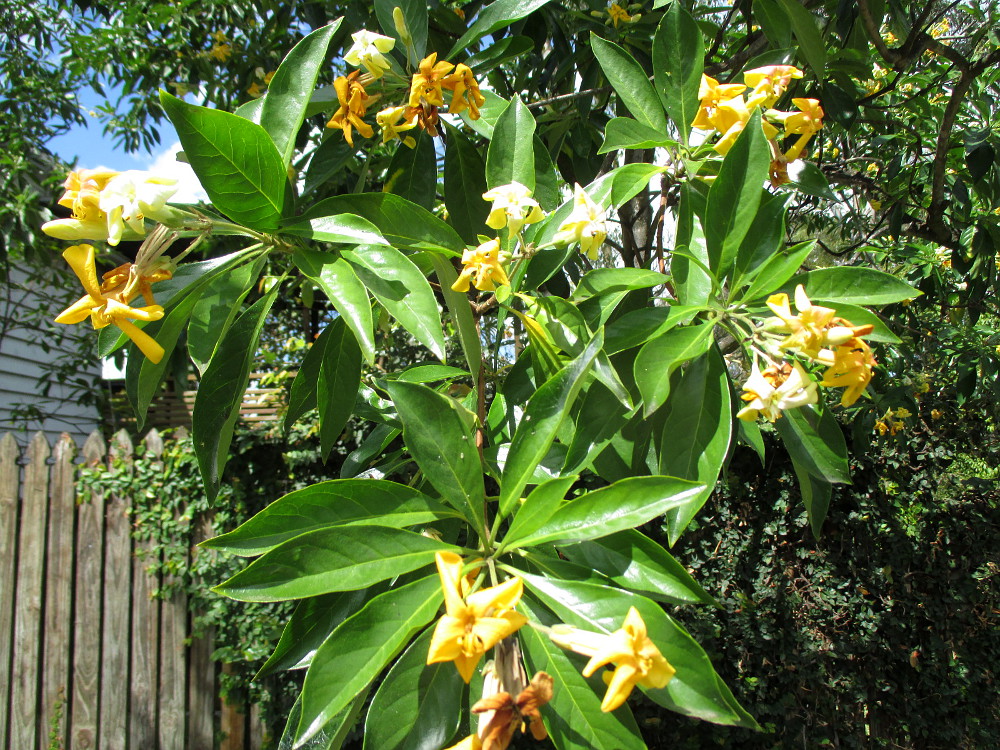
88 658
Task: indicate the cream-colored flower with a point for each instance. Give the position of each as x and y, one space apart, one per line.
775 390
483 268
584 225
130 198
513 207
396 120
367 51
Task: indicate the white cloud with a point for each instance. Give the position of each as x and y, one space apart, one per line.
165 164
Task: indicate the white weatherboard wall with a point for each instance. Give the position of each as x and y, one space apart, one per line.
23 358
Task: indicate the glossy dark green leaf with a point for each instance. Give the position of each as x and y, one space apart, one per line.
631 179
608 280
765 238
418 706
345 229
807 34
461 313
543 415
511 156
859 316
333 734
284 107
215 310
690 264
220 392
811 181
617 507
358 650
303 391
310 624
774 21
236 162
415 14
816 442
600 418
735 196
464 185
630 82
440 435
327 161
412 172
334 558
539 506
336 277
431 374
547 180
374 443
402 223
635 562
636 327
659 357
573 717
339 380
678 55
624 132
494 17
697 431
853 285
779 269
502 50
401 287
816 494
696 689
337 502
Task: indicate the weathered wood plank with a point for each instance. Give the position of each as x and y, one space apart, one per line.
201 674
10 480
87 616
143 700
256 738
59 589
233 722
24 708
115 676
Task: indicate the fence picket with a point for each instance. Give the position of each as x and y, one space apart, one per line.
201 675
87 623
10 479
145 633
117 578
58 590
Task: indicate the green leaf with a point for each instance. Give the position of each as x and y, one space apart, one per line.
220 393
779 269
678 62
413 172
396 282
774 21
853 286
464 185
609 280
358 650
502 50
236 162
811 181
288 94
735 196
431 373
629 180
600 417
859 316
696 689
636 562
511 154
461 313
440 435
345 229
338 383
624 132
659 357
808 36
765 238
636 327
327 161
402 223
415 14
310 624
816 442
816 495
341 285
214 311
696 433
617 507
573 717
630 82
418 706
333 734
693 281
539 506
543 415
333 558
494 17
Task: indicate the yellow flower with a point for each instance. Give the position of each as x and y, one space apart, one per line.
255 89
108 304
805 123
503 713
636 658
471 742
483 267
618 14
475 623
268 76
221 52
425 88
712 93
367 51
776 389
584 225
851 369
396 120
465 91
354 103
903 413
807 330
769 83
513 207
730 117
936 414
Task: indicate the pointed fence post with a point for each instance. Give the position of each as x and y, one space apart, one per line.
87 621
10 480
58 591
24 708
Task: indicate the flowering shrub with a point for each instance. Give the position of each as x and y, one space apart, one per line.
526 469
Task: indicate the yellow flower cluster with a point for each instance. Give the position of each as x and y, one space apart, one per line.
818 335
892 421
